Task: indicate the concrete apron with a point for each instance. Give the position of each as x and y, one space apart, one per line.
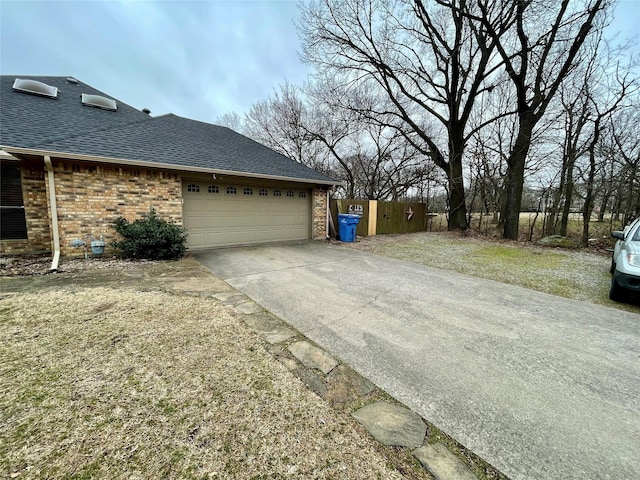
539 386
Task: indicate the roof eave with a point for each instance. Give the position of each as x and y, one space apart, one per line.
166 166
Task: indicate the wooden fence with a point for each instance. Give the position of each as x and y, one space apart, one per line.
379 217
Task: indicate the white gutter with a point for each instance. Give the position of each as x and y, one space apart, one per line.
54 214
166 166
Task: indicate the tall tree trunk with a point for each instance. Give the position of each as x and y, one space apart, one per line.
457 203
568 194
552 214
557 197
588 200
514 185
632 207
604 204
514 181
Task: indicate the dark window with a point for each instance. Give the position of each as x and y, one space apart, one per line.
290 194
193 188
231 190
277 193
248 191
13 225
263 192
302 194
214 189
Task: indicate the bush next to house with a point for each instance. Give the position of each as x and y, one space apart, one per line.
150 237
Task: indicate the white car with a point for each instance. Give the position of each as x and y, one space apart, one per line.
625 264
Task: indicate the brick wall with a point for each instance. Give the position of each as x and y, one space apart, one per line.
89 198
34 196
319 231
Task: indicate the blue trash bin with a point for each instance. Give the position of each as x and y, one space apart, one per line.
347 224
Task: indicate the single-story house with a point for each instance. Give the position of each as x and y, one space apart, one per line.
74 159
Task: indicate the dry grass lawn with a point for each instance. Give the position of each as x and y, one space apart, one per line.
119 383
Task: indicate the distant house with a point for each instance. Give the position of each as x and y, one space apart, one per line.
73 159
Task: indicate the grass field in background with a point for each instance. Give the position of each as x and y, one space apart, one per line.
485 224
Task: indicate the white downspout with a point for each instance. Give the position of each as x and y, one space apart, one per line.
54 214
327 230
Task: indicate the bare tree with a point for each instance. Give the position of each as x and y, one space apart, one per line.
372 161
627 141
429 61
280 121
608 93
542 50
490 146
593 92
577 117
385 165
231 120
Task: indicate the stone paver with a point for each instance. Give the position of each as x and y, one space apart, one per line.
443 464
313 357
247 308
312 380
345 385
289 363
272 329
392 424
230 298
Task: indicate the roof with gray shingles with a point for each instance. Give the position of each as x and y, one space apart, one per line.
30 121
64 125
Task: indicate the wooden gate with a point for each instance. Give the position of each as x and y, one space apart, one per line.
398 217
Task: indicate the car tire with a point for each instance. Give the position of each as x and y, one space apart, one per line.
613 266
616 292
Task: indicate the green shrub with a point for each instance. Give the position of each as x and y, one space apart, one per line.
150 237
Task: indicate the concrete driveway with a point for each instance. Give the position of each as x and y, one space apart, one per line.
539 386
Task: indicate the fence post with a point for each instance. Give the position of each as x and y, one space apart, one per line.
373 217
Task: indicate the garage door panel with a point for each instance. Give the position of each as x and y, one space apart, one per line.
218 219
210 222
197 237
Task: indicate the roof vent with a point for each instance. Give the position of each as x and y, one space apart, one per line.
72 80
35 88
147 111
99 101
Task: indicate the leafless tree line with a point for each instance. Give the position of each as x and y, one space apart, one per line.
482 99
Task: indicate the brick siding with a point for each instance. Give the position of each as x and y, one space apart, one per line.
319 231
89 198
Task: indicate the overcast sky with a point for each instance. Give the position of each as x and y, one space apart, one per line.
197 59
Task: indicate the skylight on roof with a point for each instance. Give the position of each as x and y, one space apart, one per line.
99 101
34 87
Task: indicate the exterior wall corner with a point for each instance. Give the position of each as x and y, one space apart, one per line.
319 214
34 195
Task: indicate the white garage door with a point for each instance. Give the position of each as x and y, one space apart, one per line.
220 214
